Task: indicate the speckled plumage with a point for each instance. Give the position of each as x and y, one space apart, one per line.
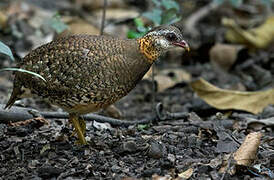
83 69
85 73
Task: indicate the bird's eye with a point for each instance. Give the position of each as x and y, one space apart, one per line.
171 37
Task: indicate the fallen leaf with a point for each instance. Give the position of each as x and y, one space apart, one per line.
223 56
78 26
246 154
186 174
45 148
118 14
3 20
39 120
266 122
253 102
163 82
169 77
259 37
157 177
113 111
97 4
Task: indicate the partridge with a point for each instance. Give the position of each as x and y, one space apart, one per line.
85 73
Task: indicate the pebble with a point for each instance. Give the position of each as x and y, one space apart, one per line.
130 146
155 150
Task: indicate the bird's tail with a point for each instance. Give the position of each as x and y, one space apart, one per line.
15 95
12 99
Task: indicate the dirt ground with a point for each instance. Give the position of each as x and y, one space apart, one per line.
199 141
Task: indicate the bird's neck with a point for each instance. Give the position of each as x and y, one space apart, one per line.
148 48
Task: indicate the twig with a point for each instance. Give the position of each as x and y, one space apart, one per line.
228 166
103 18
19 114
153 86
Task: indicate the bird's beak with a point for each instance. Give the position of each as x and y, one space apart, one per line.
182 44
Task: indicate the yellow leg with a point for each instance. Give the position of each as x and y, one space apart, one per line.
82 124
78 128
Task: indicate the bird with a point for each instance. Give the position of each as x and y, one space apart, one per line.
84 73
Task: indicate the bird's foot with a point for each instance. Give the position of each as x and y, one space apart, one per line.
79 128
82 125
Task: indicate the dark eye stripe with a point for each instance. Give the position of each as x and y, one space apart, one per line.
171 37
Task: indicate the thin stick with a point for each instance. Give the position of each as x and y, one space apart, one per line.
15 114
103 18
153 87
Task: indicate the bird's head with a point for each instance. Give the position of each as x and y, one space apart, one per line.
160 39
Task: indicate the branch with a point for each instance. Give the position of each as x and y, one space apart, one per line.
103 18
15 114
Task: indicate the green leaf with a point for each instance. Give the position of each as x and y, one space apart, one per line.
141 127
154 16
138 22
24 71
218 1
157 3
4 49
131 34
140 25
170 4
236 3
56 23
267 2
170 16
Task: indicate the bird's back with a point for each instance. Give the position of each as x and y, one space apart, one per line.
83 73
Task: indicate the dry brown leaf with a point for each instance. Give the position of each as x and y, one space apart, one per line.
163 82
3 20
97 4
113 111
149 73
118 14
259 37
186 174
177 74
168 78
79 26
253 102
157 177
28 121
224 55
246 154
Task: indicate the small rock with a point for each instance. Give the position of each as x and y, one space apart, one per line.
155 151
130 146
20 131
115 168
171 158
150 172
3 128
102 126
49 171
33 163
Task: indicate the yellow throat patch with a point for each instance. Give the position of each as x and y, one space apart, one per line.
149 50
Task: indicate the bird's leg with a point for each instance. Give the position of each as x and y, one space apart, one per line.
74 119
82 124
